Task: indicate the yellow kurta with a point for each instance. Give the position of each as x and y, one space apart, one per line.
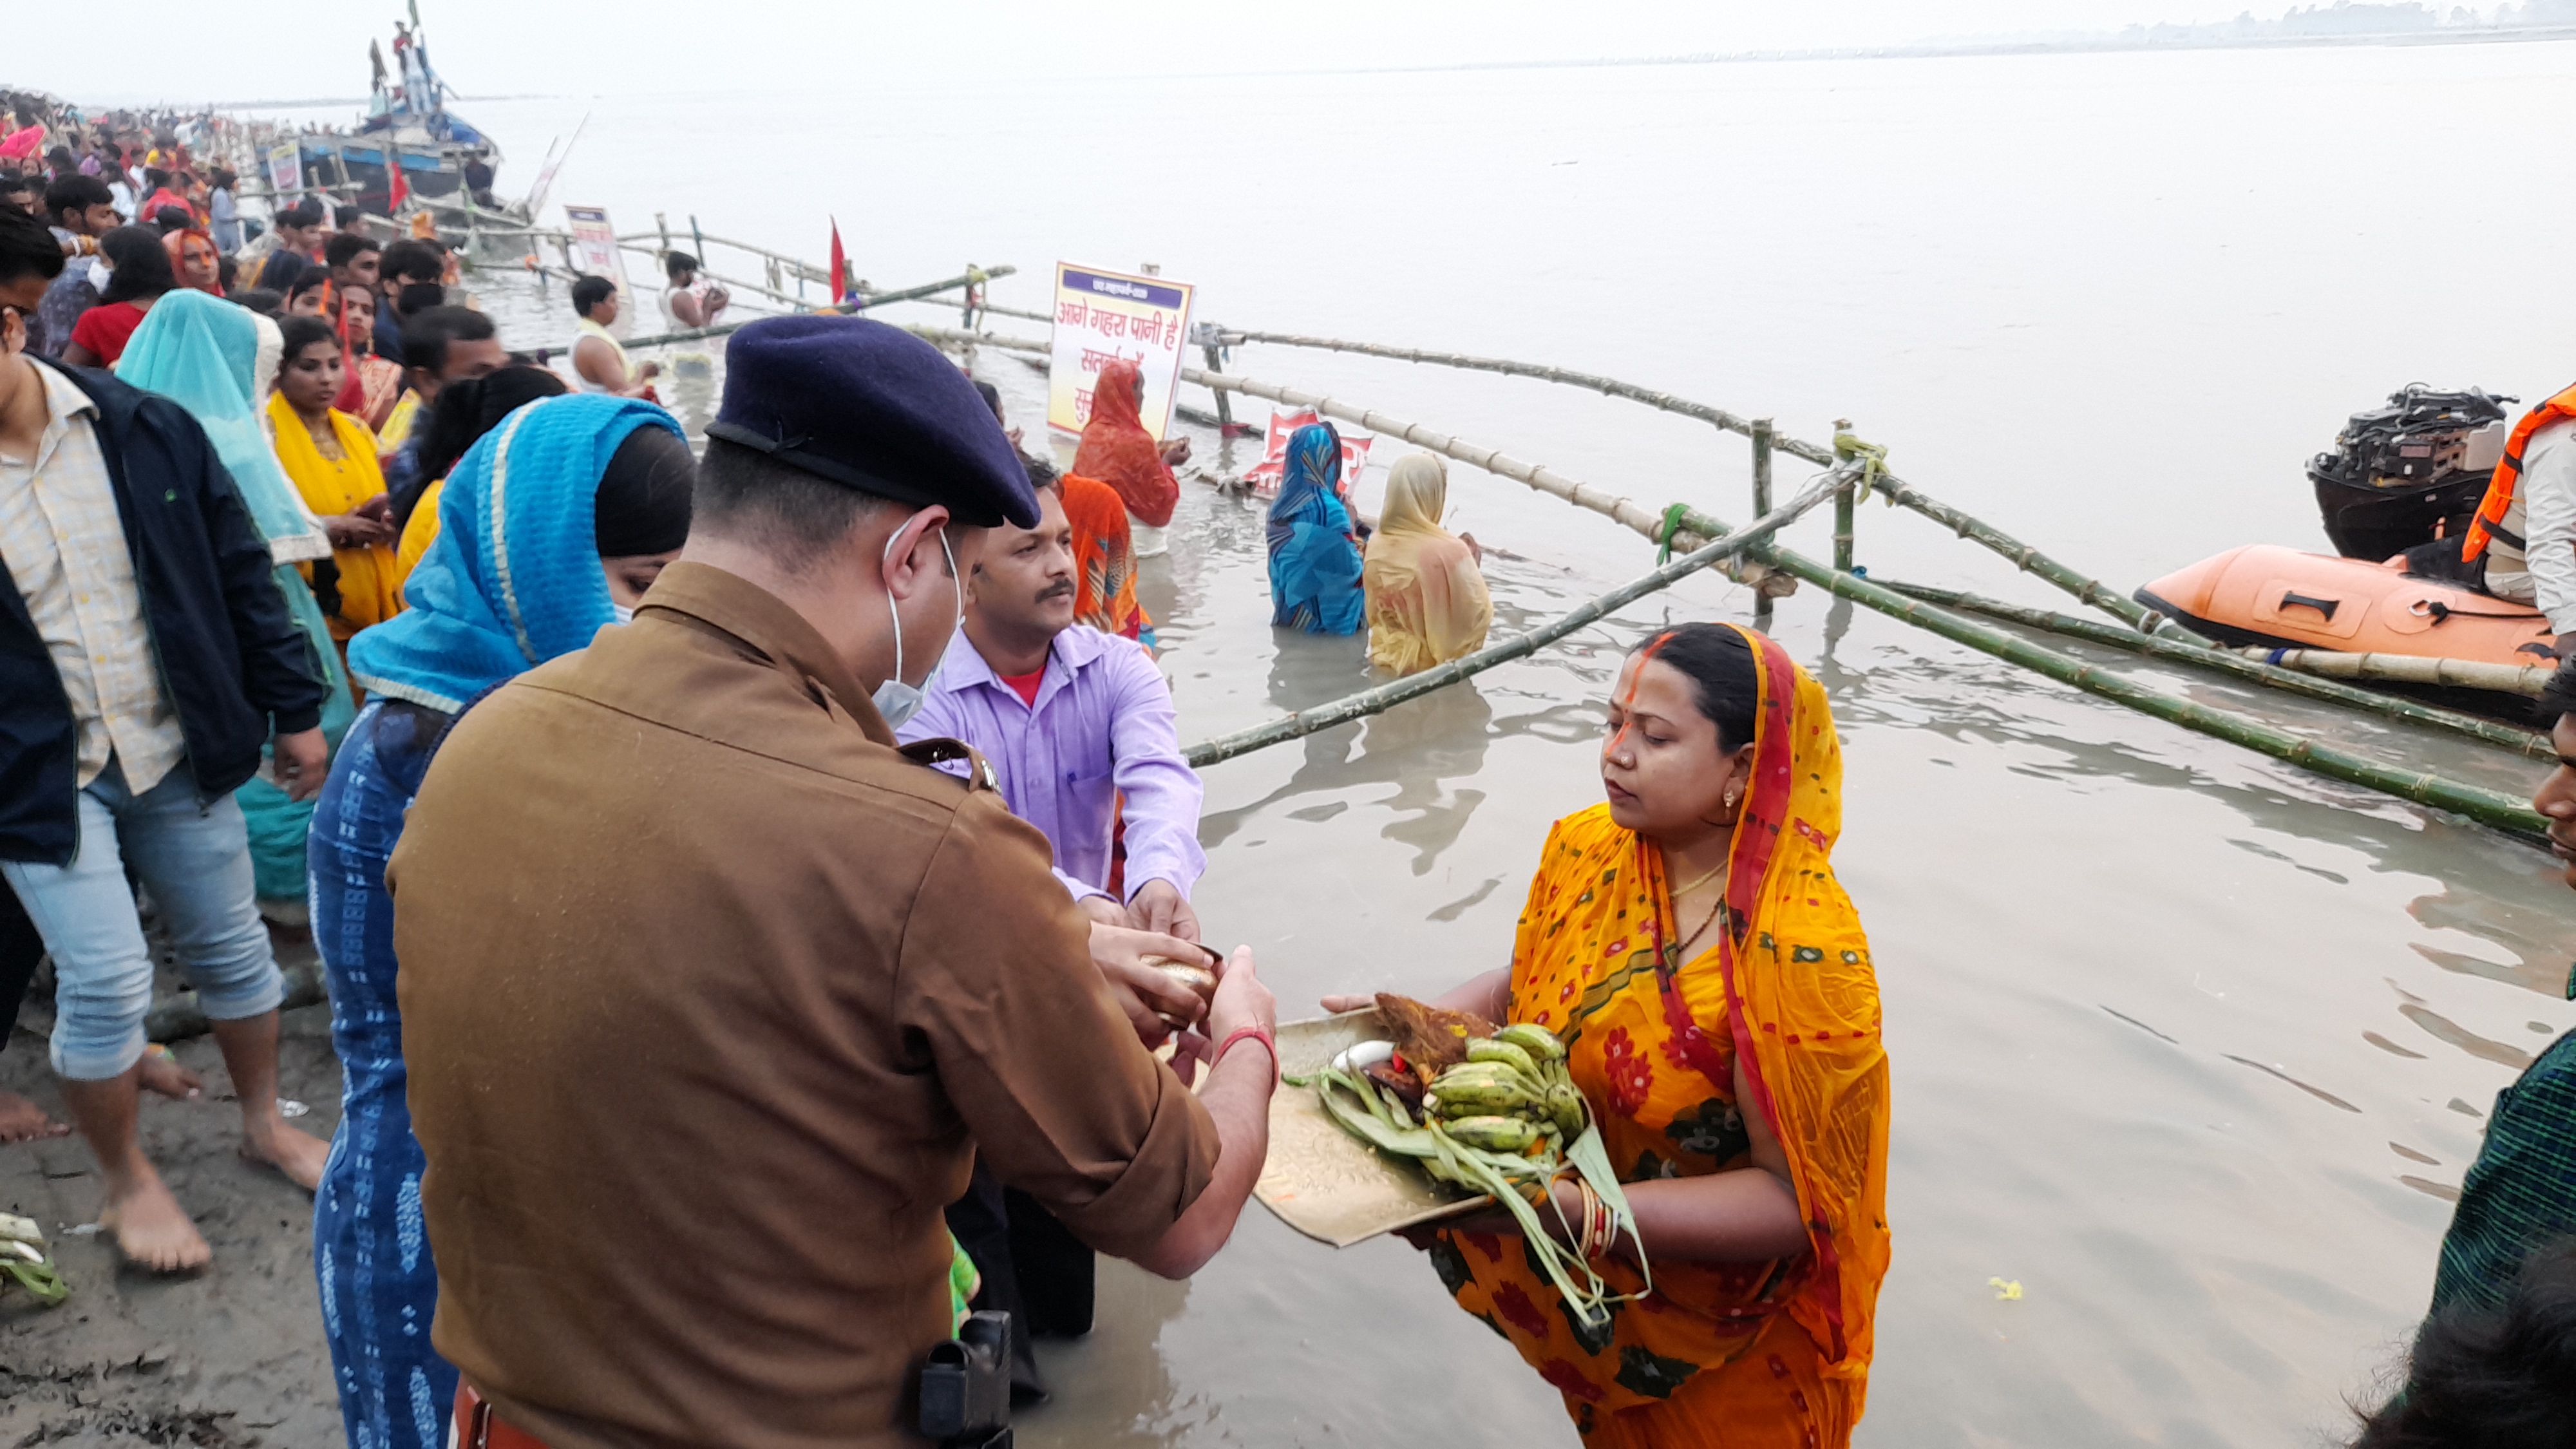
420 532
398 425
370 584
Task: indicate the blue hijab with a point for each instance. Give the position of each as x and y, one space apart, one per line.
513 579
202 352
1314 563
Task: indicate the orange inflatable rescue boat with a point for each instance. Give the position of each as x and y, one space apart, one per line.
2264 594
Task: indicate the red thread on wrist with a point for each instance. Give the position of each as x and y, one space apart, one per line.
1269 1043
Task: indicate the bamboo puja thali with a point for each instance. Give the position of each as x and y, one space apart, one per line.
1320 1179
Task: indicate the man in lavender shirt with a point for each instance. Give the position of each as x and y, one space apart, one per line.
1072 719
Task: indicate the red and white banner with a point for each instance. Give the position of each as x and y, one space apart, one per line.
1265 474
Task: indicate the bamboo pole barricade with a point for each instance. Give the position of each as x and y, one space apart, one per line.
2523 679
2530 743
1413 686
2027 558
1693 530
2487 807
970 277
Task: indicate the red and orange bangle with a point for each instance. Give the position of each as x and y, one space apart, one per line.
1269 1043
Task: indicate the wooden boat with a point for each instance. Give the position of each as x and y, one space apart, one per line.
2263 594
408 125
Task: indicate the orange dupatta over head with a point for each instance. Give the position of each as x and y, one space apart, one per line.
1752 1353
1104 557
1117 450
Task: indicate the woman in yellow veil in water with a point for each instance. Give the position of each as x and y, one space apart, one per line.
1427 603
1688 941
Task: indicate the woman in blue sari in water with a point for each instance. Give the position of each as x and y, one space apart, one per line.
1314 561
597 501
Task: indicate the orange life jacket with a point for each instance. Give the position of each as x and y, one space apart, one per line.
2508 472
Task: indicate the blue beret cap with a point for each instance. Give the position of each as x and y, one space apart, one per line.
875 408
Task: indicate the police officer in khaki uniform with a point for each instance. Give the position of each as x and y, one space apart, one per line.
711 994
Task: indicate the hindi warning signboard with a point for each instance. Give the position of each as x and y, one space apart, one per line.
1264 476
286 169
594 250
1103 317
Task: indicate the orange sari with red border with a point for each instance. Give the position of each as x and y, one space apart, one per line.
1733 1354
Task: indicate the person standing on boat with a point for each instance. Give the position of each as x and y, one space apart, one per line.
698 962
1712 984
2522 545
598 358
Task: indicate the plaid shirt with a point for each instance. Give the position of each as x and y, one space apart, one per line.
2521 1192
66 551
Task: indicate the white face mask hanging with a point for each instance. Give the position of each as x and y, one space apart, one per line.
624 614
894 699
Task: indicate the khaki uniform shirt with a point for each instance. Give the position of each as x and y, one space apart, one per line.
709 998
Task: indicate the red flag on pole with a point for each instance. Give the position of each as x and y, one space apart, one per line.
395 190
840 267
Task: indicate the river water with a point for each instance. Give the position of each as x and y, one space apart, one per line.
2192 1046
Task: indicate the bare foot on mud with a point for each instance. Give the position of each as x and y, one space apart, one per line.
153 1230
160 1072
299 1155
24 1121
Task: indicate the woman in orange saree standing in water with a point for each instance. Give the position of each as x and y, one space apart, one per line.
1688 941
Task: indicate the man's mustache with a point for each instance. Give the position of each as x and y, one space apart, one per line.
1060 589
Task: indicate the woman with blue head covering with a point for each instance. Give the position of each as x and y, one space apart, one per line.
1314 561
204 353
550 527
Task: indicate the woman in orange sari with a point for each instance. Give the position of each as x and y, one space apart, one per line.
1689 943
1118 451
1104 559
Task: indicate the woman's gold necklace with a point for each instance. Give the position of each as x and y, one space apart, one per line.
1709 919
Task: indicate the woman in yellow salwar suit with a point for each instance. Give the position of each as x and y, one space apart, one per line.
1689 943
1427 603
330 457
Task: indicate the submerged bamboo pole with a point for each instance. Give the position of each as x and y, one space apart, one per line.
2523 679
2029 559
1413 686
2530 743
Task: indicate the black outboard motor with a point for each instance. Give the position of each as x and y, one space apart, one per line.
2410 472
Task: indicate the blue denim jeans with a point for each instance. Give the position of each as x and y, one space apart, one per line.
195 859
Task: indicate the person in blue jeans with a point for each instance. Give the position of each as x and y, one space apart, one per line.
597 501
146 657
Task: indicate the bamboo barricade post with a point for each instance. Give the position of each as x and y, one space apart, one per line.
1386 696
2090 591
1761 435
2530 743
2527 680
1843 525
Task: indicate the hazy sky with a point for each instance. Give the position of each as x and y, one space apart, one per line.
495 47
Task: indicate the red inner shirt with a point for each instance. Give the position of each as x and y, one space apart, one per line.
1026 685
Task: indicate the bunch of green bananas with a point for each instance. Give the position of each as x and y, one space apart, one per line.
1504 1122
1510 1093
23 1260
